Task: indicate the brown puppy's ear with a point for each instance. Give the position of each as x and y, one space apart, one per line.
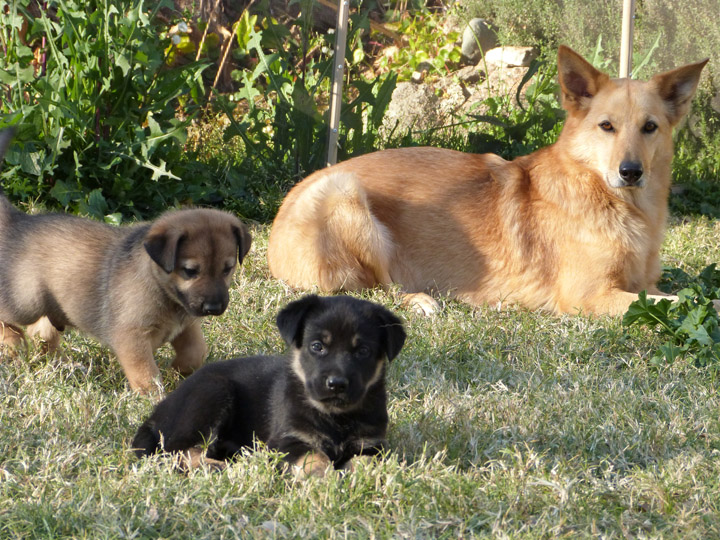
291 320
244 240
579 80
677 88
393 332
162 246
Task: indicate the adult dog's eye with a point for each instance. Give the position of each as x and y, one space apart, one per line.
606 126
649 127
317 347
227 270
189 272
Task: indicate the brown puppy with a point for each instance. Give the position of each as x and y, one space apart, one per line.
132 288
574 226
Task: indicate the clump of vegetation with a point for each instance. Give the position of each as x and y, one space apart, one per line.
689 327
94 105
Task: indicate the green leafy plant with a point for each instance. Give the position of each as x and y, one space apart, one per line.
95 108
690 326
427 45
511 128
283 92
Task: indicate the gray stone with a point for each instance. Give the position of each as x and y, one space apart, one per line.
477 38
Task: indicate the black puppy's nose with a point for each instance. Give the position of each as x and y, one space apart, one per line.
336 383
213 308
631 171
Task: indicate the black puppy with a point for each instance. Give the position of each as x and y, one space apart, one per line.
322 403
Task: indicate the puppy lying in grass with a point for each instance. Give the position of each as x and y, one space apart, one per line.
322 404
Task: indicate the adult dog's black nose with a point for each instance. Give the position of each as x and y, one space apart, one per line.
631 172
336 383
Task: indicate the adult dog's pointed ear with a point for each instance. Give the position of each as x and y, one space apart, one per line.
244 240
677 88
579 80
394 333
291 319
162 244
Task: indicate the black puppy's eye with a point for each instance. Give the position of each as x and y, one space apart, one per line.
317 347
362 352
649 127
606 126
189 272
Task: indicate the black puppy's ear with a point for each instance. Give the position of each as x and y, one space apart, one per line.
394 333
162 247
244 240
291 320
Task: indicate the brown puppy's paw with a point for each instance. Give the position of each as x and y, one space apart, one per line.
43 329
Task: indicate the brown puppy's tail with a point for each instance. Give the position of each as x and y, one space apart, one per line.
353 247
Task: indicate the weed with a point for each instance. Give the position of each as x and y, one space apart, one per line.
96 124
689 325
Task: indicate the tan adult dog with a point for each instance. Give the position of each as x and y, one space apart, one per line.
576 226
132 288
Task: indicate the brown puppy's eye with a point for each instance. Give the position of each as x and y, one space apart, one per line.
606 126
317 347
190 273
649 127
227 270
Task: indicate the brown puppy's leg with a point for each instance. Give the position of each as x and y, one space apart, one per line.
44 329
11 339
190 348
311 464
136 358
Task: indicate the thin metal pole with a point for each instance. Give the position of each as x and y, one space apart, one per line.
626 45
341 30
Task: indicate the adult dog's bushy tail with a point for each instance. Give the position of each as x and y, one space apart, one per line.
335 242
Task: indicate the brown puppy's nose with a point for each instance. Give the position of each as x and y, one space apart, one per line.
336 383
631 172
213 307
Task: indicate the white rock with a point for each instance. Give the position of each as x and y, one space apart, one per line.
510 56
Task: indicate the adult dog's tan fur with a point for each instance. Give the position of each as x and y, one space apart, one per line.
132 288
574 226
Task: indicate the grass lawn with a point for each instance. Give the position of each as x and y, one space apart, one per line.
503 423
